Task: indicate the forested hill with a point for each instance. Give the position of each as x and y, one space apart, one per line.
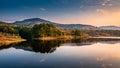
53 29
33 21
5 24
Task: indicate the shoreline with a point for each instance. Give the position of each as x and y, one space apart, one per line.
102 37
69 37
7 42
73 37
55 38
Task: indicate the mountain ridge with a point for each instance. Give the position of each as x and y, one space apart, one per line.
32 21
111 27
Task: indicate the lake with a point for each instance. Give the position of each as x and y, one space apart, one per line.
61 54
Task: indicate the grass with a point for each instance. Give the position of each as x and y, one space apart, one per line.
67 37
6 39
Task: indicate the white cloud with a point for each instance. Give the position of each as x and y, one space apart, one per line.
110 5
42 9
103 4
107 3
101 11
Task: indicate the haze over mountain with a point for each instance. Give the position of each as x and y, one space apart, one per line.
33 21
110 27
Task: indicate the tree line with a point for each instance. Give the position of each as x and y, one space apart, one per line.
50 30
38 30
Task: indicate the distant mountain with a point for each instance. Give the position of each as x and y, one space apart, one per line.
110 27
77 26
33 21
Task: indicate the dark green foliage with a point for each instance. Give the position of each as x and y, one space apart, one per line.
8 29
25 33
76 32
79 34
46 46
45 30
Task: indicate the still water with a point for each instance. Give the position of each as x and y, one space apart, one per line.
61 54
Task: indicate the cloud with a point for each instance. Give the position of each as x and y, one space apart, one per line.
110 5
42 60
107 3
42 9
101 11
103 4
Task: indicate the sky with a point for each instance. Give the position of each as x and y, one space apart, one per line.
91 12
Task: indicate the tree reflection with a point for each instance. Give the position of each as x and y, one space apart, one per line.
46 46
40 46
50 46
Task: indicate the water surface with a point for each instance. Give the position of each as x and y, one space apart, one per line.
61 54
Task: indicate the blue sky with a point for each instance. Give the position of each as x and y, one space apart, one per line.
94 12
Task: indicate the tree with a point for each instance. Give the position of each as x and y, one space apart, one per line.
76 32
45 30
25 33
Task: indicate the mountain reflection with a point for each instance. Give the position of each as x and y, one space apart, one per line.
50 46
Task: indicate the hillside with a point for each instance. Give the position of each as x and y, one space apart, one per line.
78 26
110 27
5 24
33 21
6 39
22 28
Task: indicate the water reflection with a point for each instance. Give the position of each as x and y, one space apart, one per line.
46 46
50 46
40 46
61 54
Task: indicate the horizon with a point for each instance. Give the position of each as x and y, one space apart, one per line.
60 23
88 12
